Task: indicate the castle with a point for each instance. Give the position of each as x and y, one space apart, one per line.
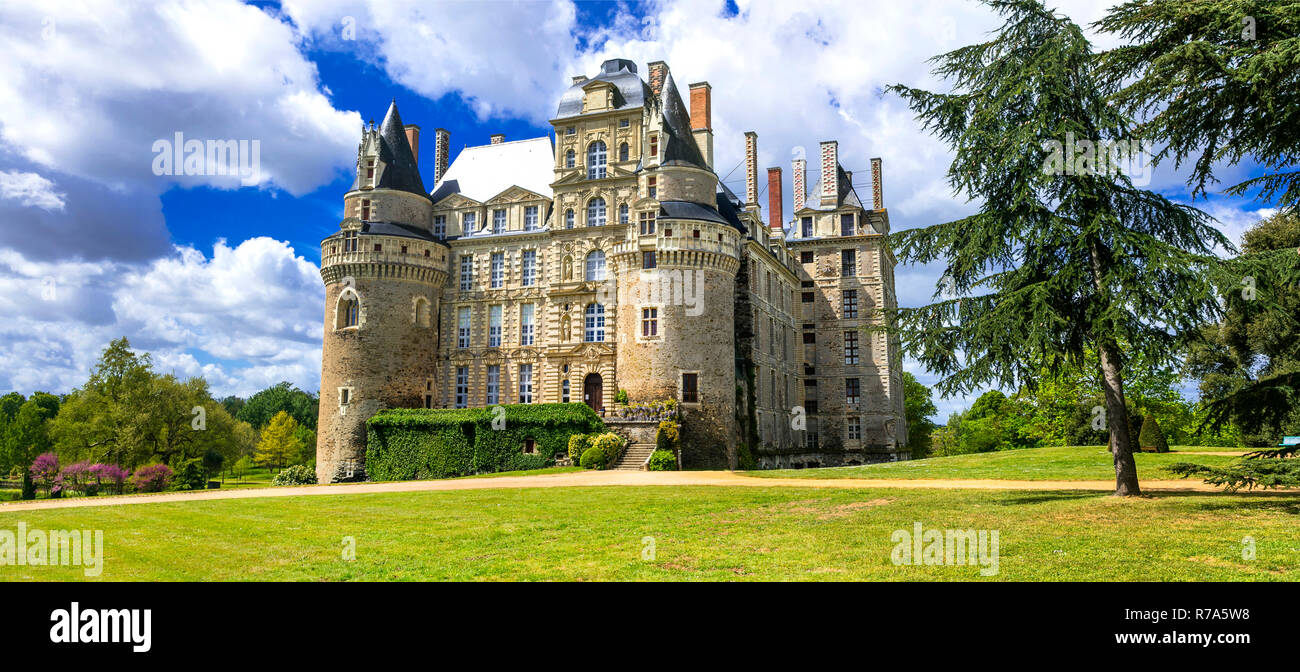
613 258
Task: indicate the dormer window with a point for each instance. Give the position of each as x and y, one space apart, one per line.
370 170
654 144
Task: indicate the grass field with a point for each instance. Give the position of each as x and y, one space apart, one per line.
1071 463
699 533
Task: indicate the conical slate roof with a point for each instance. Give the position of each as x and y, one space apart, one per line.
400 172
679 146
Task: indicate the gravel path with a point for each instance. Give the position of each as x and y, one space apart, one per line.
604 478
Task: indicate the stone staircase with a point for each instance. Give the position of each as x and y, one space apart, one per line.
635 457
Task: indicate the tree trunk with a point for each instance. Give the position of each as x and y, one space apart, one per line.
1112 383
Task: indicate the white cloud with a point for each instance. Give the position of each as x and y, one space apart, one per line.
245 318
92 85
30 189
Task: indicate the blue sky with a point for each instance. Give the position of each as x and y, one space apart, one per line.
220 280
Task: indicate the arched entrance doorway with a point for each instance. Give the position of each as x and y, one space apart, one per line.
593 391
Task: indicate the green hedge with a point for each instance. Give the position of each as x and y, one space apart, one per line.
406 444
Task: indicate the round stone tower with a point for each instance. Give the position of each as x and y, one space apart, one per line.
383 272
676 304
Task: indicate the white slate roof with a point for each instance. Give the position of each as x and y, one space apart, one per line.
487 170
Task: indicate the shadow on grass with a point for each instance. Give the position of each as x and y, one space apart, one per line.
1044 496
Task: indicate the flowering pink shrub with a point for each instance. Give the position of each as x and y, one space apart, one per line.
77 478
153 478
110 475
45 470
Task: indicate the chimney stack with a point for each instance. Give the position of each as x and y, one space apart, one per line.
751 169
413 139
658 72
702 119
800 189
441 145
498 138
877 195
775 207
830 173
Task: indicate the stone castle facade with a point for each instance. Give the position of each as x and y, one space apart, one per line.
609 258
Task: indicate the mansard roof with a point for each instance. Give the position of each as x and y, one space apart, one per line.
391 229
847 196
483 172
400 170
631 91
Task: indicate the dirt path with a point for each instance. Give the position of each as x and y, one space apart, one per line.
604 478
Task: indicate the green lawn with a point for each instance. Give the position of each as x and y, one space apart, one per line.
699 533
1070 463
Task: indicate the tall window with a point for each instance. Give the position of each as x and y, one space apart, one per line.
646 221
440 225
622 152
568 218
848 263
649 322
528 268
654 144
855 429
850 304
595 324
525 383
462 387
690 388
568 159
595 266
805 226
596 160
596 212
365 210
850 348
350 241
498 221
846 224
467 222
530 218
622 213
564 391
494 384
648 259
852 391
351 312
652 186
466 272
494 326
462 327
498 270
526 312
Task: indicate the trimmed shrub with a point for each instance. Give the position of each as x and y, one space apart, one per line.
1152 438
663 460
667 436
578 443
595 458
153 478
296 475
612 444
405 444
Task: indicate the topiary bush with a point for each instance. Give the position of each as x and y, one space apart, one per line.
298 474
578 444
1152 438
594 458
663 460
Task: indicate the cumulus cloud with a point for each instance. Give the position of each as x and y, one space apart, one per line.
245 317
29 189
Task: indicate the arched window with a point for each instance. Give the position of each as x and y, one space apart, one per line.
422 317
568 159
596 160
568 218
596 266
596 212
622 152
622 214
595 324
349 310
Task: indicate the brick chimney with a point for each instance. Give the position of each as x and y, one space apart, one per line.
877 195
658 72
774 205
702 119
800 189
441 146
751 169
413 139
830 173
498 138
